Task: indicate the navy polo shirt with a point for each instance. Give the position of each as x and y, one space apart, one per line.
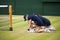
45 21
36 19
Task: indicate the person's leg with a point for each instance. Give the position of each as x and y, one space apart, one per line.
42 29
39 29
46 30
49 29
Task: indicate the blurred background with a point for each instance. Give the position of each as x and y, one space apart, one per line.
47 8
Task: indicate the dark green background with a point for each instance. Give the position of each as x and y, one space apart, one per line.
43 7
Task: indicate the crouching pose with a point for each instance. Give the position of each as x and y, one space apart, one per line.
38 23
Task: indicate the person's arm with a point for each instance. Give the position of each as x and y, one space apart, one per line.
29 24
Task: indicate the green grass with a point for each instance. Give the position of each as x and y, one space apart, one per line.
20 26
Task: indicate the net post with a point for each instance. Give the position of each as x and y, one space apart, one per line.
10 18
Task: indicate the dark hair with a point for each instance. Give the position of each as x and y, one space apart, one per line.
24 17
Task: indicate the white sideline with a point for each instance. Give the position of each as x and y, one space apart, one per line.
3 5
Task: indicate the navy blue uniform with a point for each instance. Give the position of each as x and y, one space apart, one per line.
36 19
45 21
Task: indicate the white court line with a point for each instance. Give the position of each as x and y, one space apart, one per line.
3 5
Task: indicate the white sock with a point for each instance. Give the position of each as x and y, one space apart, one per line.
46 30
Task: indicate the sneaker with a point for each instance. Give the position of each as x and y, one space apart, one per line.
46 30
51 28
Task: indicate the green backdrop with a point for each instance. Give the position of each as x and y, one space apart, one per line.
43 7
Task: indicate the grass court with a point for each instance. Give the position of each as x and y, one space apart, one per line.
19 29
